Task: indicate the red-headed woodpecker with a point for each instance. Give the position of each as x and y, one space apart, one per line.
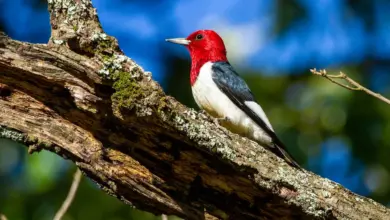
221 92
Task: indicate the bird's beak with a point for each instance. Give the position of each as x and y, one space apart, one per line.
181 41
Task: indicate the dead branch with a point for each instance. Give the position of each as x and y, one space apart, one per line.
351 84
69 198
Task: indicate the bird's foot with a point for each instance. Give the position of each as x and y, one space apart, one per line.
205 115
218 121
202 111
221 121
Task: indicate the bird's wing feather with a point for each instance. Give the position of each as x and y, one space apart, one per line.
231 84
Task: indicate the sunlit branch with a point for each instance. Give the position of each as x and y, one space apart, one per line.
69 199
350 83
3 217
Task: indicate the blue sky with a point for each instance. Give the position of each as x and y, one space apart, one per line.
326 37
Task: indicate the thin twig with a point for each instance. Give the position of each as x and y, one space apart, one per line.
351 84
72 192
3 217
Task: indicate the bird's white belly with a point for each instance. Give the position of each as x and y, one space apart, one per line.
210 98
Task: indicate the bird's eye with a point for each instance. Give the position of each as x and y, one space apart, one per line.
199 37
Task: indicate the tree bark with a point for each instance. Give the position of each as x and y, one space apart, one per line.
80 97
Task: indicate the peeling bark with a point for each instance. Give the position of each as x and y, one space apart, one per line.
80 97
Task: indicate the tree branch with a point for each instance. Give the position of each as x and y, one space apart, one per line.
352 84
69 198
81 98
3 217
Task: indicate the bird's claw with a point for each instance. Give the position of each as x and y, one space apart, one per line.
202 111
221 121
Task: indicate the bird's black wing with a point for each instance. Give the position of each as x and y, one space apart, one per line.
231 84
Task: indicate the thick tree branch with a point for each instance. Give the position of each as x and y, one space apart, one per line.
81 98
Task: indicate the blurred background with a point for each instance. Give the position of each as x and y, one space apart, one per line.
334 132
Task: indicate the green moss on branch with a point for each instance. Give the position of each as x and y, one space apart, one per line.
126 89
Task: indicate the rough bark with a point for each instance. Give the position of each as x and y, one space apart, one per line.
80 97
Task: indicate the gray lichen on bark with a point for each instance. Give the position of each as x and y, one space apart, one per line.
11 134
68 18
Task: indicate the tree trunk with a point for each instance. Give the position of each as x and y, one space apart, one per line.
81 98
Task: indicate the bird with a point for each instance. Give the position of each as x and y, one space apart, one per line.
219 90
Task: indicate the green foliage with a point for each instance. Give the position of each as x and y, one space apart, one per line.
291 12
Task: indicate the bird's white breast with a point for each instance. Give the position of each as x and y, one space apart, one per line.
210 98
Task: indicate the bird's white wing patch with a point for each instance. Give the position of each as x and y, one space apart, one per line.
256 108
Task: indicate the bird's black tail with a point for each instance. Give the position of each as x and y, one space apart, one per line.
281 151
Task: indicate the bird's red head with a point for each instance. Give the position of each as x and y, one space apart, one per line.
204 46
